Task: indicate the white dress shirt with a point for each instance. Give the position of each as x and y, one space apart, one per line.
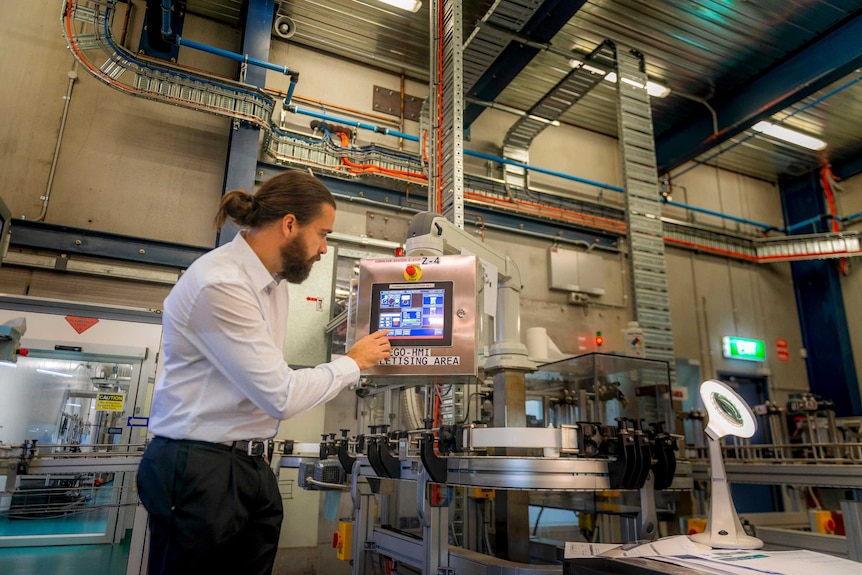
224 377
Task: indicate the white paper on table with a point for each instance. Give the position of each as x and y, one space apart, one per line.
676 545
700 566
800 562
575 549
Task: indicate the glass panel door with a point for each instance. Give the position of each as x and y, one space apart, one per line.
68 408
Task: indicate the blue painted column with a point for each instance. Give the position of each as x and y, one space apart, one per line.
819 301
244 138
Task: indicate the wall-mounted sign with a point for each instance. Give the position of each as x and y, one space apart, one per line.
743 348
782 349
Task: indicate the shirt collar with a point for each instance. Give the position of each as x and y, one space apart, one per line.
260 277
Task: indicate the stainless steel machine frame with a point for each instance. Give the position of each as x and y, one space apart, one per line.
455 275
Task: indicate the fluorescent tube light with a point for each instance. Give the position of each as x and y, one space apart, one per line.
57 373
543 120
788 135
654 89
657 90
409 5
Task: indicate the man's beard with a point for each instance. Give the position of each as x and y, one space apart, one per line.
293 268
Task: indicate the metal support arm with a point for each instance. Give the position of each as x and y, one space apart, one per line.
431 234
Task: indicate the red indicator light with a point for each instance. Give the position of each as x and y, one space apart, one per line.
399 252
23 351
599 339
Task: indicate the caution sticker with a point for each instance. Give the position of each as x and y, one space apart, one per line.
110 401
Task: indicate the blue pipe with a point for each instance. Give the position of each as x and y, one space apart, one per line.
542 170
412 138
245 58
803 223
166 18
117 50
291 88
387 131
167 33
354 123
829 94
851 217
719 214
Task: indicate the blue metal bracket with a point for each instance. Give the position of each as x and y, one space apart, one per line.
826 60
152 43
820 304
243 144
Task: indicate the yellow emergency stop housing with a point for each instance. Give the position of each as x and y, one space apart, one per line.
343 540
412 272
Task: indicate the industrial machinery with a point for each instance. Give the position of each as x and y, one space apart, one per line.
596 443
470 443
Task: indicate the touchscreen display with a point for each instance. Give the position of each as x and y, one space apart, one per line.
416 314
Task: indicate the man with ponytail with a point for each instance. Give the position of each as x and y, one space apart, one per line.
224 387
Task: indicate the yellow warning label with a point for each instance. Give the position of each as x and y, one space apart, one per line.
110 401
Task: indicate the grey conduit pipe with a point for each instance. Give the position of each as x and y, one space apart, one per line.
73 75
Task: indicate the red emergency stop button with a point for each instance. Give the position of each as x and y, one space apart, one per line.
412 272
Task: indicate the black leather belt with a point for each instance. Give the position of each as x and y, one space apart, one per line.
252 448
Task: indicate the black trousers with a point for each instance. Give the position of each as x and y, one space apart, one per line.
212 509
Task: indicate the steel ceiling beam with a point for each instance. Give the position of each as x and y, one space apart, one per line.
544 25
827 59
849 167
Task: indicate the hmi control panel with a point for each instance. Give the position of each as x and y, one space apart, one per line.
430 305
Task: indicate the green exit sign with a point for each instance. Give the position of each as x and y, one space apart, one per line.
743 348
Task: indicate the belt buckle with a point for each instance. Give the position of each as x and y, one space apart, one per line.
249 449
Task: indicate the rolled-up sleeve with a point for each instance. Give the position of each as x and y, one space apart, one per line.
227 326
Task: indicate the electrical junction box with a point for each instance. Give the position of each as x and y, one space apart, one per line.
431 306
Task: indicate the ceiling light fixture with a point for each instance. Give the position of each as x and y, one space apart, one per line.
790 136
654 89
409 5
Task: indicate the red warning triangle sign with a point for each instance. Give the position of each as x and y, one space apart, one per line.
81 324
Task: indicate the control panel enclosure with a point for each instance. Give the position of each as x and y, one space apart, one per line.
431 307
